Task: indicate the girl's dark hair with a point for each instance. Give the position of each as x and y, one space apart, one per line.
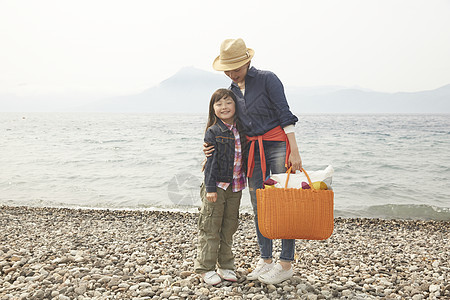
216 96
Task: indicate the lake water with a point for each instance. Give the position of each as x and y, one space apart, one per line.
388 166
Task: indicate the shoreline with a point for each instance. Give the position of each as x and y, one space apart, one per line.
65 253
438 214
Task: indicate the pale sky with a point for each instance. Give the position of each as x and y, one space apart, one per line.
105 47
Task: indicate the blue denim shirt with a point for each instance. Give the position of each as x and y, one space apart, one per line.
219 166
264 105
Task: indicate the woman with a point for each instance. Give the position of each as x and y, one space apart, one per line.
269 125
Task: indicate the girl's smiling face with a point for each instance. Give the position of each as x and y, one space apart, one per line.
225 109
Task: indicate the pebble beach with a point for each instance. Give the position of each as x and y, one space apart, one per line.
60 253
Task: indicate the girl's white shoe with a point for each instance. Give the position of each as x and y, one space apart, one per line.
211 278
228 275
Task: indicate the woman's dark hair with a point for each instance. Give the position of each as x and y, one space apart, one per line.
216 96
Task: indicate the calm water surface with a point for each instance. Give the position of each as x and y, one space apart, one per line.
390 166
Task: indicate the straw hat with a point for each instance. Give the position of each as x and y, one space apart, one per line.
233 54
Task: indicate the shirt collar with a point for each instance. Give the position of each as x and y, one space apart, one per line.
230 126
251 72
224 125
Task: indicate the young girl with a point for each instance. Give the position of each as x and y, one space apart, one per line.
221 191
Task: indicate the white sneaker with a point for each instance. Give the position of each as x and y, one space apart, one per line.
228 275
276 275
261 268
211 278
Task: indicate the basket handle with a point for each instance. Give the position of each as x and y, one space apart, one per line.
289 174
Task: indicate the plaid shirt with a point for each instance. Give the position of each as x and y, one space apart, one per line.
239 182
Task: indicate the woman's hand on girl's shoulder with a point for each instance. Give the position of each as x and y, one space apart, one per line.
208 149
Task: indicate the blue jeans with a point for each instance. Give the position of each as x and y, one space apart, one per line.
275 154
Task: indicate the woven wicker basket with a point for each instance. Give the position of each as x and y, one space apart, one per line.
288 213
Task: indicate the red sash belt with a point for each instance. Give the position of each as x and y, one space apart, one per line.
276 134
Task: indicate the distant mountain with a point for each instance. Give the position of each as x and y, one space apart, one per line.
189 91
346 100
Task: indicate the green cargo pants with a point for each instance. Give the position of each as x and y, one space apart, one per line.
217 223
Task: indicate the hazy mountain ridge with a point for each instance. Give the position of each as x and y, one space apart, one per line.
190 89
347 100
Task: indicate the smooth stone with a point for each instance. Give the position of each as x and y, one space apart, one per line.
204 291
114 281
134 287
310 296
434 288
271 288
146 292
80 290
123 285
184 274
144 285
347 293
288 288
165 294
39 294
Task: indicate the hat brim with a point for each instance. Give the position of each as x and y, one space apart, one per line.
229 67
